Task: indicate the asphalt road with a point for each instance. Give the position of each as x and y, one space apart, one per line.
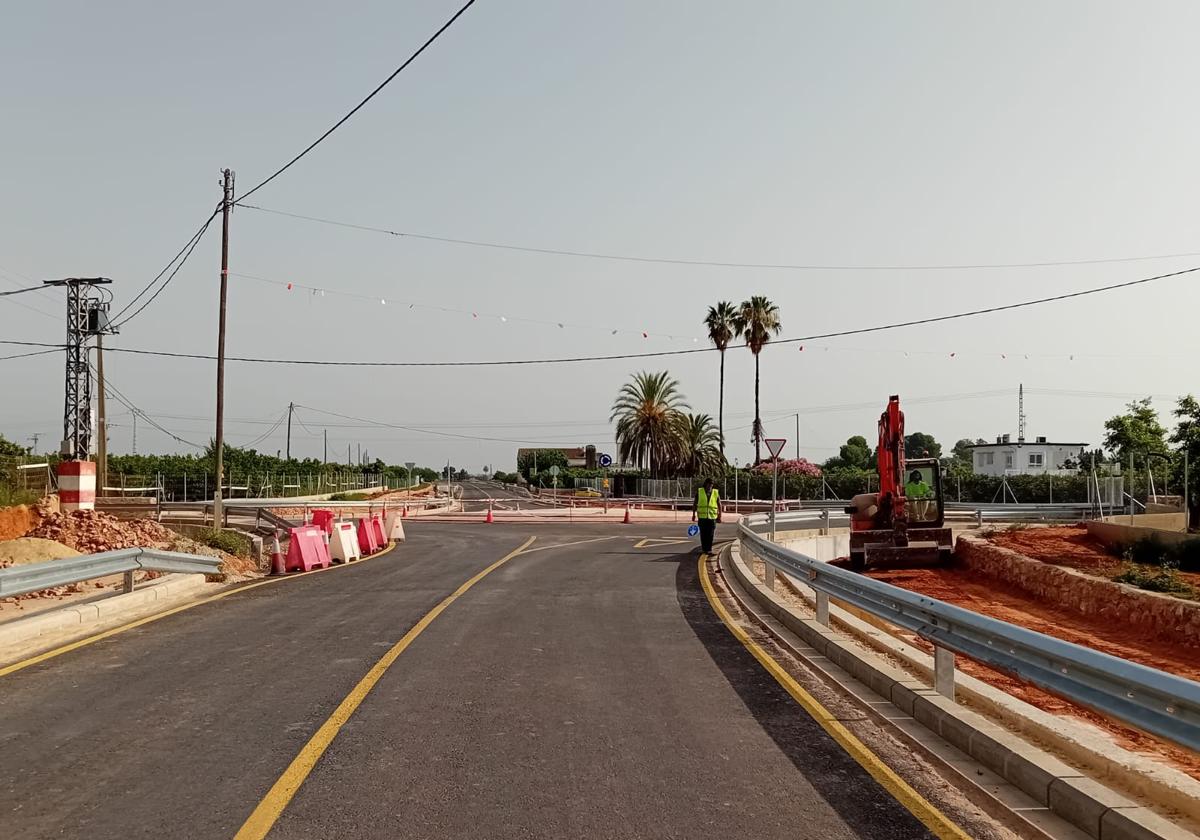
583 689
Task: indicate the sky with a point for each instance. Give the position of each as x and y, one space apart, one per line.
849 134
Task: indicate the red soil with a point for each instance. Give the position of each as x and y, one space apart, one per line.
16 522
1067 547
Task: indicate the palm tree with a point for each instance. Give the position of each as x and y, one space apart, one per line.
757 321
699 445
647 414
722 325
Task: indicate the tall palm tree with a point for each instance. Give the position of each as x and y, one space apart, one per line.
699 445
647 415
722 325
758 320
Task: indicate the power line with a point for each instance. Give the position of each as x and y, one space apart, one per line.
661 353
178 260
382 424
561 252
356 108
27 355
125 401
21 291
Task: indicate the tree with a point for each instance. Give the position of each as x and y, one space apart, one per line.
963 450
542 459
1186 438
1089 460
722 324
855 454
646 412
10 449
1137 432
757 321
921 445
700 452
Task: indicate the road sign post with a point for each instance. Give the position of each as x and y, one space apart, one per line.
554 478
774 446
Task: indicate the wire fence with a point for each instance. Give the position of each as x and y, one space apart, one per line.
194 487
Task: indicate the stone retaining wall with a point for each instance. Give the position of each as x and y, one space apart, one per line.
1173 619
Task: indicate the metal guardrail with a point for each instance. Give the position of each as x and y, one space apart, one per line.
1145 698
33 577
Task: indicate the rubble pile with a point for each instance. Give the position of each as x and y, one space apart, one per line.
90 532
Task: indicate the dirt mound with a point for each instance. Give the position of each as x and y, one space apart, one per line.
1069 546
16 522
32 550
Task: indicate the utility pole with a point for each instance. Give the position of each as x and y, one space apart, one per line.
349 463
226 207
291 408
101 422
134 413
87 315
325 457
34 437
797 436
360 454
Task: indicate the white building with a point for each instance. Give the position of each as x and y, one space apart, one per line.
1023 457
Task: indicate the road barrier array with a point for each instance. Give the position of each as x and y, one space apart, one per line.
1148 699
47 574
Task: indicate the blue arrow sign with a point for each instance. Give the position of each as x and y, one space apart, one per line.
605 460
693 530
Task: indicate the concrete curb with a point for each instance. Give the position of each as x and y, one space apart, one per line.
29 636
1101 812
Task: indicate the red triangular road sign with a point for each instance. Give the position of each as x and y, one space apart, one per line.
775 446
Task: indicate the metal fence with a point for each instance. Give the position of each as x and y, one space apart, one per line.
199 486
1148 699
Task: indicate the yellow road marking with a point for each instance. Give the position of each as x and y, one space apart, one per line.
271 807
920 807
88 640
655 542
564 545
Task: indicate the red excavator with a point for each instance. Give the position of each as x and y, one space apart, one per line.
904 523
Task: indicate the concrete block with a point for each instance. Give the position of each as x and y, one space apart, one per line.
1139 824
1084 801
1032 771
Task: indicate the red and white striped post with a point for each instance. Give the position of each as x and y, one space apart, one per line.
77 485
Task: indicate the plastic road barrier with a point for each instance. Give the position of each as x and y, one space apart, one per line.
366 536
306 550
323 519
343 543
395 526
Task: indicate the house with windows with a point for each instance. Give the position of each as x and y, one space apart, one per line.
1024 457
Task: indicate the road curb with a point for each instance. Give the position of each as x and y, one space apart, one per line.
27 636
1094 808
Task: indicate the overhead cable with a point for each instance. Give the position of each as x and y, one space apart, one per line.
356 108
560 252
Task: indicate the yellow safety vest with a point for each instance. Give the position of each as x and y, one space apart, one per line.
707 508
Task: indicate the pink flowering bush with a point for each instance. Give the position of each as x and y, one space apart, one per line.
790 466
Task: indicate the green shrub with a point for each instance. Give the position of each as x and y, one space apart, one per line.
227 541
10 496
1146 551
1156 579
349 497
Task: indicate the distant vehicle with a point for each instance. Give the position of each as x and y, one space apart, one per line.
587 493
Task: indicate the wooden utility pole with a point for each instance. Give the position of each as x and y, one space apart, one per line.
226 207
101 421
325 457
291 408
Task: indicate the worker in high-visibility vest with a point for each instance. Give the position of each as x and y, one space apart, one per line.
707 510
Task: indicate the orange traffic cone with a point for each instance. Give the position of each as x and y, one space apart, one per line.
277 564
625 521
489 517
404 512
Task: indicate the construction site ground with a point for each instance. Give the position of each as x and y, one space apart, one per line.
1066 546
39 533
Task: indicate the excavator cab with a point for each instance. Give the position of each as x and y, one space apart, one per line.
903 525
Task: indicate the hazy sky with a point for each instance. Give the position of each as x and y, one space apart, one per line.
764 132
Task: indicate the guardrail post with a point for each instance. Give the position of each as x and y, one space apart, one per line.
129 581
979 518
943 671
770 576
823 608
825 522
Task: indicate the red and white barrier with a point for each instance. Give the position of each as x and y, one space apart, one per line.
378 531
343 543
395 526
77 485
366 536
307 549
323 519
